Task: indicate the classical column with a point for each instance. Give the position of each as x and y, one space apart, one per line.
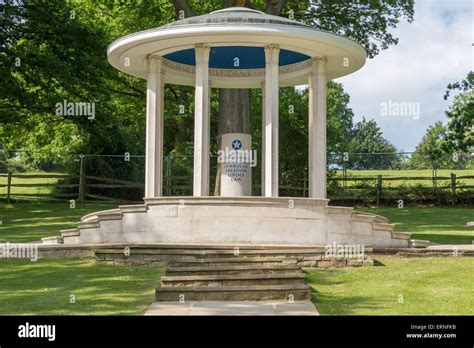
201 122
317 129
262 181
272 54
154 128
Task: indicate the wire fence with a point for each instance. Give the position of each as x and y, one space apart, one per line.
357 178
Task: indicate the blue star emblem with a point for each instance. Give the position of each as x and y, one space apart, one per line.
237 144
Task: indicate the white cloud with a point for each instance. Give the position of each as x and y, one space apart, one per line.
433 51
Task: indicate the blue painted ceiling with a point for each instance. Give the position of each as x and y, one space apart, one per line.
224 57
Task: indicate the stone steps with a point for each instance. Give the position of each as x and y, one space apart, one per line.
224 255
233 280
224 270
233 261
220 275
296 292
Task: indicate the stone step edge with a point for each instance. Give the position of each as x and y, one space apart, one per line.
419 243
94 217
234 277
295 287
383 226
218 246
239 259
178 251
70 233
401 235
52 240
88 224
230 268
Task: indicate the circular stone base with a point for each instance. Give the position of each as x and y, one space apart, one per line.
243 220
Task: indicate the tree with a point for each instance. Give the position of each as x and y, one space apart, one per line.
369 149
429 153
465 85
460 128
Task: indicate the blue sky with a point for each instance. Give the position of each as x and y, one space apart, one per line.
433 51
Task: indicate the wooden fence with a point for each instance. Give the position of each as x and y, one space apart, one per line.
179 185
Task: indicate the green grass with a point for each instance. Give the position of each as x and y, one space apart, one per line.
444 225
412 173
45 287
30 190
432 286
28 222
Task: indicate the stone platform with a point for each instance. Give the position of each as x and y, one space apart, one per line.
239 220
222 308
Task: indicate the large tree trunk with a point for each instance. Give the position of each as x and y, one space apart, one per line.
234 112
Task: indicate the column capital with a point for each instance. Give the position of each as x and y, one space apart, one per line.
202 52
319 66
272 54
154 63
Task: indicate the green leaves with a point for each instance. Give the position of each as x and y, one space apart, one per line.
460 128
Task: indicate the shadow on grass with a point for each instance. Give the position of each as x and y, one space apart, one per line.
378 263
444 238
331 304
44 287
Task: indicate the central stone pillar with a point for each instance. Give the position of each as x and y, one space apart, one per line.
237 160
201 122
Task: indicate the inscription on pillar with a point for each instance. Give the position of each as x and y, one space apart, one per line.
237 160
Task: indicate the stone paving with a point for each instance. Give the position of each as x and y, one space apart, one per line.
222 308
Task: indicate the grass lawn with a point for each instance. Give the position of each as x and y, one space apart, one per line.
431 286
28 222
412 173
438 224
45 287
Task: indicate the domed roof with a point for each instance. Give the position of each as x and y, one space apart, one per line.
237 37
236 15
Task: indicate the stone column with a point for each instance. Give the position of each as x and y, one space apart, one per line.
317 129
272 55
262 180
201 122
154 128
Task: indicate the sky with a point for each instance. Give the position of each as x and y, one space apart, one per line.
433 51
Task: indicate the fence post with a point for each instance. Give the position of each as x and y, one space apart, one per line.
9 186
453 187
81 179
379 188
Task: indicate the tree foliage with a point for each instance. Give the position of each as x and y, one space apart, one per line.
430 153
53 51
460 128
369 149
